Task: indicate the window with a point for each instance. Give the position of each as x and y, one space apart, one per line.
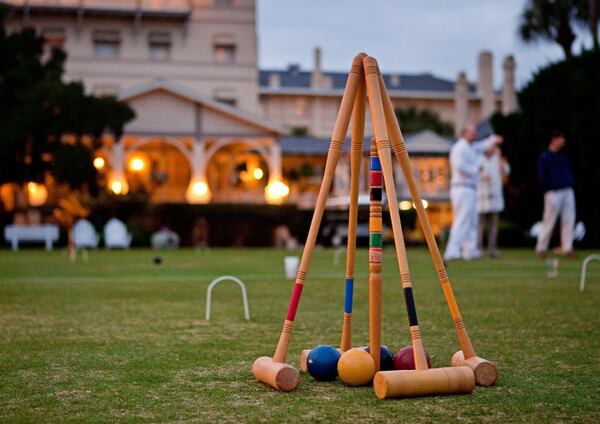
107 44
159 46
225 53
53 38
300 107
105 90
225 95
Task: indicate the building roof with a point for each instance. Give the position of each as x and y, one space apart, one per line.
297 80
422 143
194 96
164 9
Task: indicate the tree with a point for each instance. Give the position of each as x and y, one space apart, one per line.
587 15
562 96
549 20
412 120
38 109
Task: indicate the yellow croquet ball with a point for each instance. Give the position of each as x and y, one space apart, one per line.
356 367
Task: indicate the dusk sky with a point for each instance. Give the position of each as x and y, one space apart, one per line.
438 36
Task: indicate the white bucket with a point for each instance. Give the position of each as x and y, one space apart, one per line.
291 266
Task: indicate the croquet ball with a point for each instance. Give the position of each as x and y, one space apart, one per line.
405 359
386 358
322 363
157 260
356 367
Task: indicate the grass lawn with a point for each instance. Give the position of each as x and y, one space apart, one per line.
122 339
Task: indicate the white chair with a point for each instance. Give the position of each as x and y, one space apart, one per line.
116 235
84 237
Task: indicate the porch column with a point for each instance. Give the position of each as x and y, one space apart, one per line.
276 190
198 190
341 179
118 182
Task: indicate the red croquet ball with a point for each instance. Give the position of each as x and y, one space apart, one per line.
405 360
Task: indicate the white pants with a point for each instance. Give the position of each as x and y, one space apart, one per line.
558 202
463 233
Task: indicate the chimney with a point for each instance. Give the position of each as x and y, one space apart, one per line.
461 111
485 85
318 79
274 80
317 60
509 94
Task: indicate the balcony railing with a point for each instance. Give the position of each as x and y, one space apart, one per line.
169 6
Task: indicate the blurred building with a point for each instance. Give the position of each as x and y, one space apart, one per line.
211 126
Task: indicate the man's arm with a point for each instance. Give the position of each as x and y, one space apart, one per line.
487 143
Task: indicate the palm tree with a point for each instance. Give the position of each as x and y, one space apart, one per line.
549 20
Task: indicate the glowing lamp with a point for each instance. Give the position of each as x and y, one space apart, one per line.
200 188
137 164
276 191
99 163
36 193
258 173
405 205
119 186
424 202
198 192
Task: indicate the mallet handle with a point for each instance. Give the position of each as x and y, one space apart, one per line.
401 154
375 256
384 152
356 152
333 155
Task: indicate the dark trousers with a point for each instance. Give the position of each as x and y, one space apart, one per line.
489 220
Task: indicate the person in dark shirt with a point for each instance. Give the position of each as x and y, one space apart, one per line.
555 174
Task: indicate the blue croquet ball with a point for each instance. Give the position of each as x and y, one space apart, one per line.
386 358
157 260
322 363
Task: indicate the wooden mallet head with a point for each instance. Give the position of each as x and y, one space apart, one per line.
485 371
434 381
278 375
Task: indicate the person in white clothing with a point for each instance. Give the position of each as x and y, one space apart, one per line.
490 198
465 168
557 180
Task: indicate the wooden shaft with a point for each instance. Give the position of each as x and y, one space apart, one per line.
411 383
333 155
383 149
375 257
401 154
356 148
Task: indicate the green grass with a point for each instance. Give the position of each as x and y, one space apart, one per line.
120 339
